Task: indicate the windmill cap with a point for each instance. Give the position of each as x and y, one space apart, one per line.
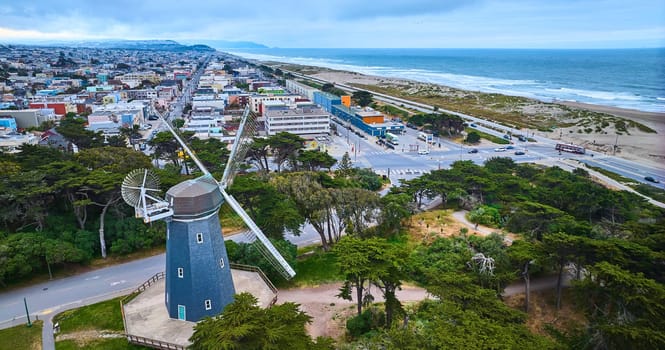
195 198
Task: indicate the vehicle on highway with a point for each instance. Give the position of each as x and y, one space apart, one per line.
473 125
651 179
500 149
569 148
519 153
392 139
423 152
153 117
507 137
510 147
423 136
473 150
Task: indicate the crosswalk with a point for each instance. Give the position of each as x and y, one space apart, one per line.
394 172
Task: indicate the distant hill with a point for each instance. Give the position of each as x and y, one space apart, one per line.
151 45
226 44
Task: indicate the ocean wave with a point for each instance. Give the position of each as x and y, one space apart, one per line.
601 95
542 90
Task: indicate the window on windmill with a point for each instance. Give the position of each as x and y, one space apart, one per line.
199 237
181 272
208 304
221 262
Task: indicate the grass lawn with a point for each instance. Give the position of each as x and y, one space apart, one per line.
488 137
22 337
314 267
106 344
84 326
101 316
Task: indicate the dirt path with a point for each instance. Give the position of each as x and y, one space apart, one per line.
330 312
460 216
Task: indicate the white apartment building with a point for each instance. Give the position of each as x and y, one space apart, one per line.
256 101
301 89
139 76
303 120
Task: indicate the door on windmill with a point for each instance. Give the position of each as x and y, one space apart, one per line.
181 312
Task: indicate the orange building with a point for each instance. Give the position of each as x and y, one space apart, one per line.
371 116
346 100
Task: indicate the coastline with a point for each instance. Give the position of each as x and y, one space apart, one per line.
633 143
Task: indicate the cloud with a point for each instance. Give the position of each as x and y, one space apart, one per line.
331 23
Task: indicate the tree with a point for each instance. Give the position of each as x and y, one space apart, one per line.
314 160
314 202
166 147
362 98
109 167
560 247
472 137
285 147
345 165
525 256
272 211
625 310
354 261
245 325
258 153
395 207
212 153
73 129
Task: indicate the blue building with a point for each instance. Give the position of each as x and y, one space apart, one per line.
369 121
326 100
198 275
8 122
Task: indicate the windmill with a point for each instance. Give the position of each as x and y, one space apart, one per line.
198 277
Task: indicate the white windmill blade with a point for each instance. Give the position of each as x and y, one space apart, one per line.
241 144
264 245
184 145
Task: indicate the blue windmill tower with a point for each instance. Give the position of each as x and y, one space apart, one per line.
198 276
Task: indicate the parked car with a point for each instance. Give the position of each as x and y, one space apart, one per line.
651 179
423 152
500 149
473 150
519 153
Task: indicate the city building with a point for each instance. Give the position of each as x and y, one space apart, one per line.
300 119
26 118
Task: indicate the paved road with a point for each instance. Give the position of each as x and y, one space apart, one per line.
621 166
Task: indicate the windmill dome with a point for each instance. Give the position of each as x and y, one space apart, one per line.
195 198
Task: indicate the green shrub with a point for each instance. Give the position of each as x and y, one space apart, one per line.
485 215
369 320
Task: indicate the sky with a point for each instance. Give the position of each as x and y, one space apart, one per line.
345 23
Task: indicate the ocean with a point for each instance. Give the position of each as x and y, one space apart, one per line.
626 78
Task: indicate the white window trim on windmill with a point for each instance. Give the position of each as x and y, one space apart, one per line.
208 304
181 272
199 238
221 262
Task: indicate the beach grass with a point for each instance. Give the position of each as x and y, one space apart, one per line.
511 111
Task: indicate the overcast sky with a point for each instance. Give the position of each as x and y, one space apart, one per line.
346 23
